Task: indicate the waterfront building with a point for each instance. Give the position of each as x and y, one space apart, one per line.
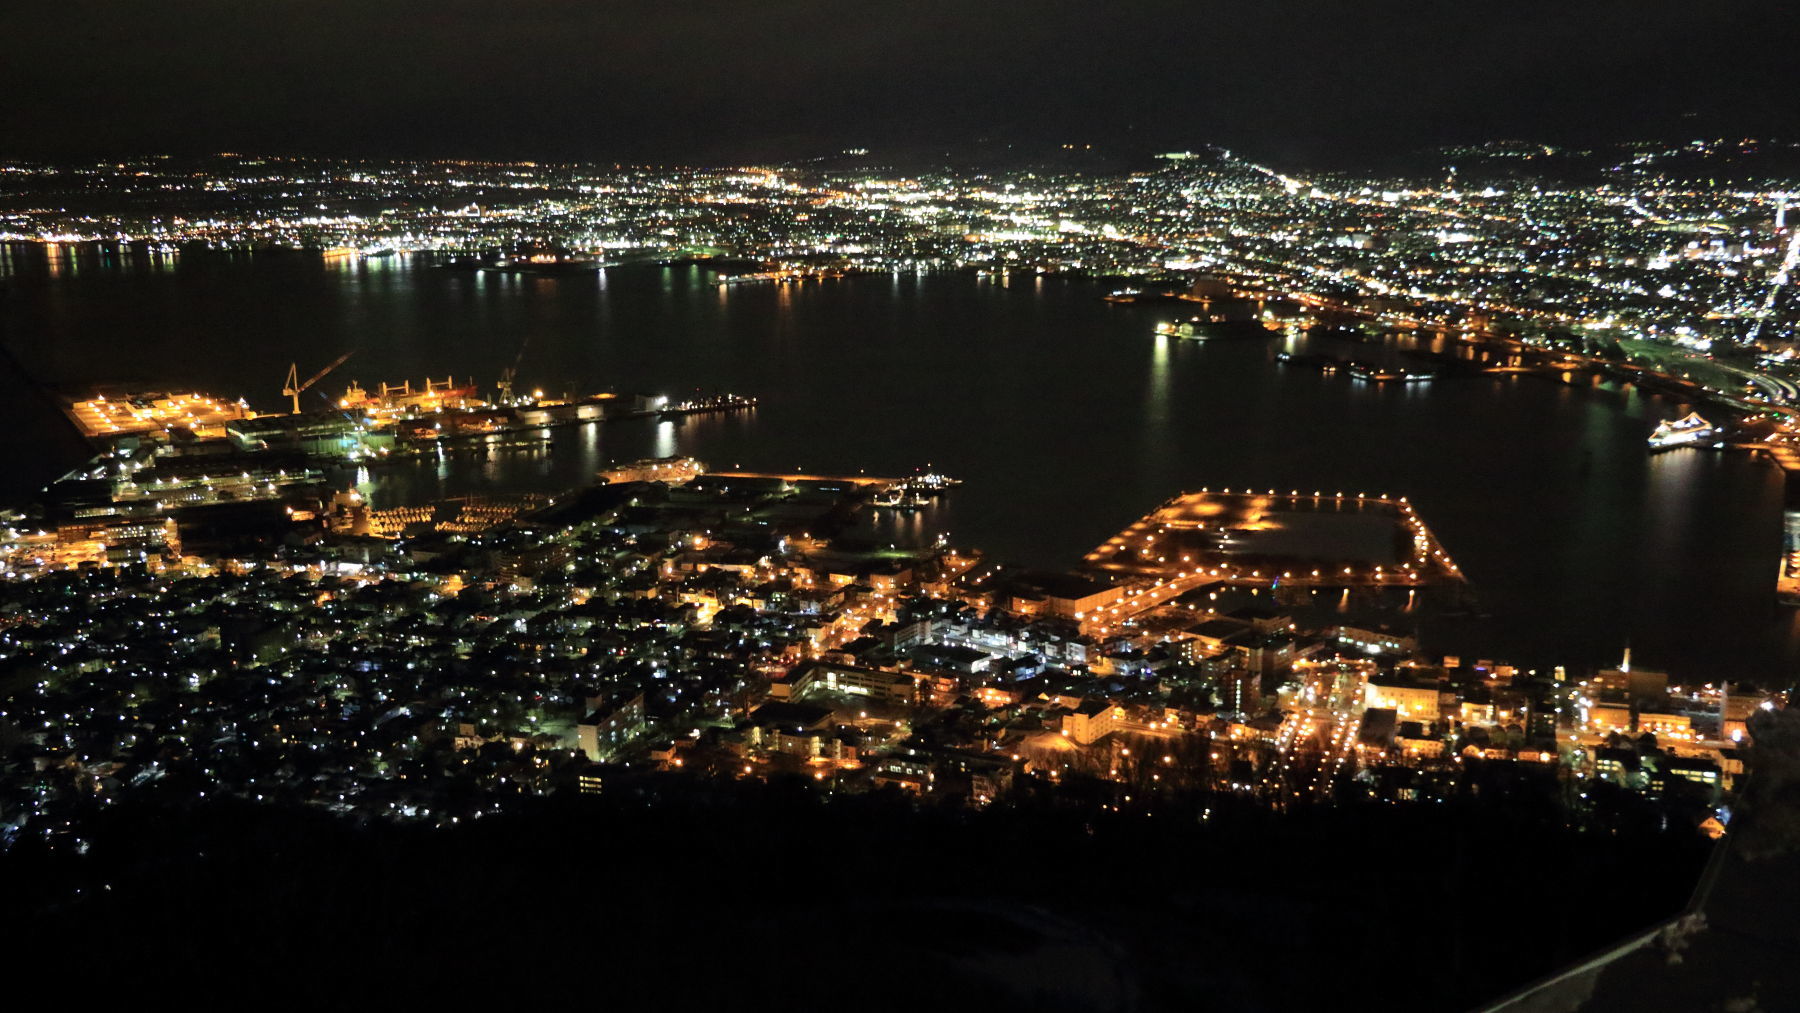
1062 595
1412 701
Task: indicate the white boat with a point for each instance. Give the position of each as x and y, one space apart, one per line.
1689 431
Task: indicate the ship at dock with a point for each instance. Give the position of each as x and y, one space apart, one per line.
1372 373
532 262
391 400
1212 327
1191 330
544 264
703 405
900 498
1688 431
778 276
914 493
1365 372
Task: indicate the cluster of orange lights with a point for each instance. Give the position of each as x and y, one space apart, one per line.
1166 519
102 416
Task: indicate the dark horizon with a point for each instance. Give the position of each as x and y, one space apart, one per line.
713 84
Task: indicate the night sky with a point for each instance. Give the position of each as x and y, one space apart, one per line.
699 80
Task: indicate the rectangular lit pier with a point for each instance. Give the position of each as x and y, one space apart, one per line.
799 477
1321 539
101 417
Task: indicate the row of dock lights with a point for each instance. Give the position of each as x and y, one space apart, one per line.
1423 552
1295 493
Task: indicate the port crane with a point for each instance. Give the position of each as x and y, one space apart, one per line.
294 388
511 373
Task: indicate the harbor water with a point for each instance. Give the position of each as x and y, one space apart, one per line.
1066 416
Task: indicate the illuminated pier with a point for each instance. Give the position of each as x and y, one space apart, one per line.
792 477
124 415
1270 539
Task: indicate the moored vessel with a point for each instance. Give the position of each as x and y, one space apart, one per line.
1690 430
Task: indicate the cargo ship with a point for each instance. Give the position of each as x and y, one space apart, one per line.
401 399
1213 327
544 263
714 403
1322 363
1370 373
751 277
1192 330
1137 295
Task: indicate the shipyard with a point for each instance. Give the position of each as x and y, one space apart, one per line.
178 471
361 424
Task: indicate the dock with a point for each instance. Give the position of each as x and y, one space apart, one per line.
864 480
1271 539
